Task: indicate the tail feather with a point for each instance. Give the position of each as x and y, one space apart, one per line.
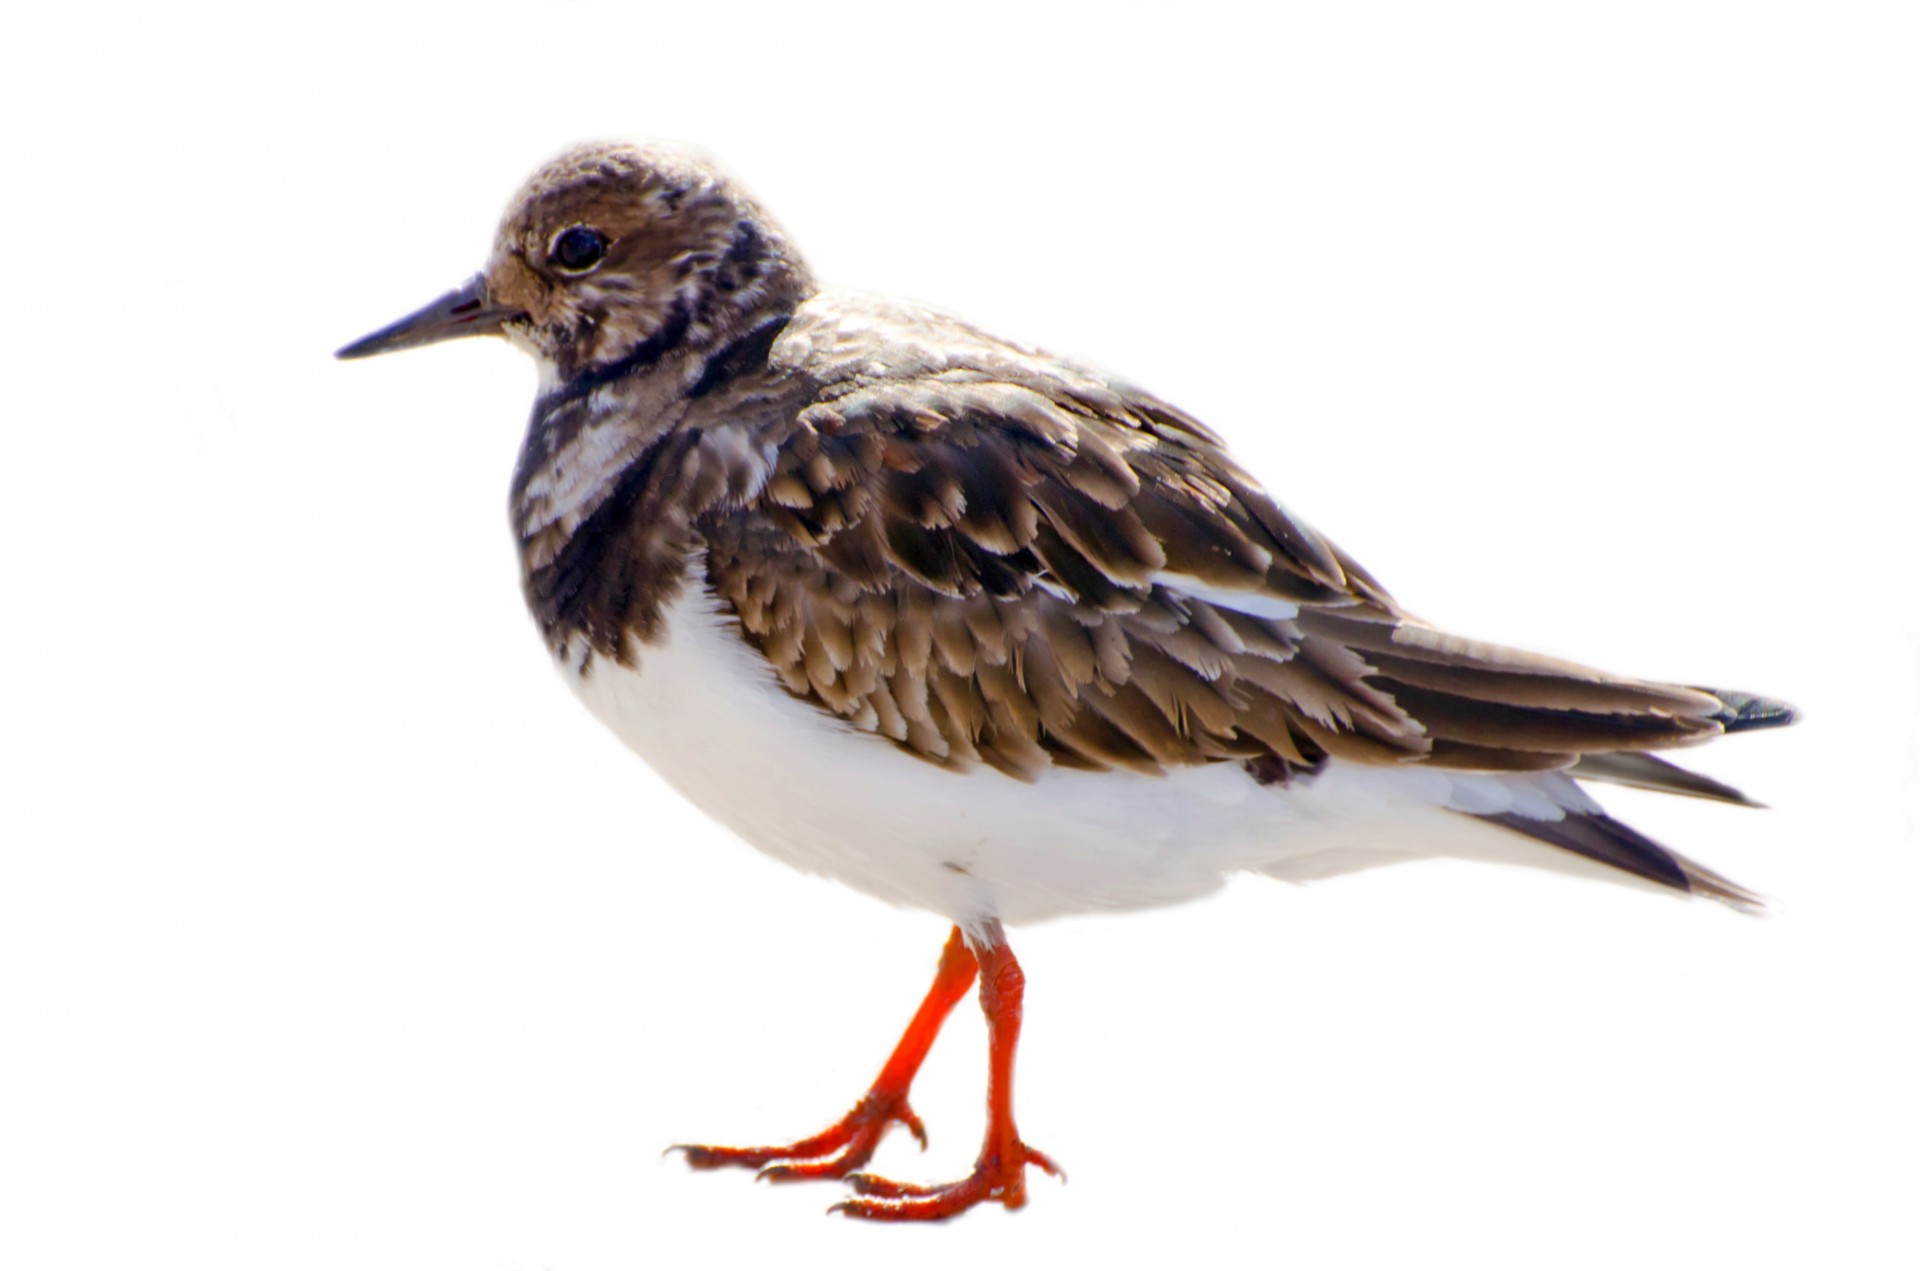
1593 834
1643 771
1599 837
1743 712
1481 706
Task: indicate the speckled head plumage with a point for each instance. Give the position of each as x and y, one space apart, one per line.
669 241
612 248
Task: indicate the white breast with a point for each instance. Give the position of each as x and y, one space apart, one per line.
708 714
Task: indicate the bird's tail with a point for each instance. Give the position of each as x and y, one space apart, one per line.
1742 712
1599 837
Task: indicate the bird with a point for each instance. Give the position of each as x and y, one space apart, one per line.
984 631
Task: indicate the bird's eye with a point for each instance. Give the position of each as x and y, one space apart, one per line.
577 249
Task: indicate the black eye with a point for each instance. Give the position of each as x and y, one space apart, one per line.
578 249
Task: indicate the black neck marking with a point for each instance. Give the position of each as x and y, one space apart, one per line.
599 583
744 356
645 354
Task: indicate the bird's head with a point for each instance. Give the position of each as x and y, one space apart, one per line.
615 252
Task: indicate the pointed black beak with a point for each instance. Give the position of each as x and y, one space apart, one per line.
462 312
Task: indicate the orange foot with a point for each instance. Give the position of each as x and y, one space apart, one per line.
833 1153
998 1175
849 1143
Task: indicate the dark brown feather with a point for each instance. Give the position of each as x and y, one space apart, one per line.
1007 519
1599 837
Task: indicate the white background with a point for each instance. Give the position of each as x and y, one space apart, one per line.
332 934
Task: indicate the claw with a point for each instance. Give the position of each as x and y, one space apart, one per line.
844 1146
698 1156
875 1185
702 1156
905 1116
1000 1177
808 1171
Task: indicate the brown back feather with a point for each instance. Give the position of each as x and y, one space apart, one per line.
957 548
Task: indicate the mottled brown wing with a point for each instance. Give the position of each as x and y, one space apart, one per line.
1025 565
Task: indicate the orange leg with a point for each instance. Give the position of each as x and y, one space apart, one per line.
850 1142
1000 1171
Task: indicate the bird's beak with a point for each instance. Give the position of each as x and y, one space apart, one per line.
461 312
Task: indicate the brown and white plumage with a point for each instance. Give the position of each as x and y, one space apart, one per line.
994 558
976 628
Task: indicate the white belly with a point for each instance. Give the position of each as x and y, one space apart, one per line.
708 714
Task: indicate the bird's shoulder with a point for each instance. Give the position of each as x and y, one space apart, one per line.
938 434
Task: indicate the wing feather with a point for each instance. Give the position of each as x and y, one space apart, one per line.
986 555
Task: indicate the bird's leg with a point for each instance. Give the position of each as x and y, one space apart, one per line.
850 1142
1000 1171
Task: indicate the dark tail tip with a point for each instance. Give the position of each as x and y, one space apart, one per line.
1742 712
